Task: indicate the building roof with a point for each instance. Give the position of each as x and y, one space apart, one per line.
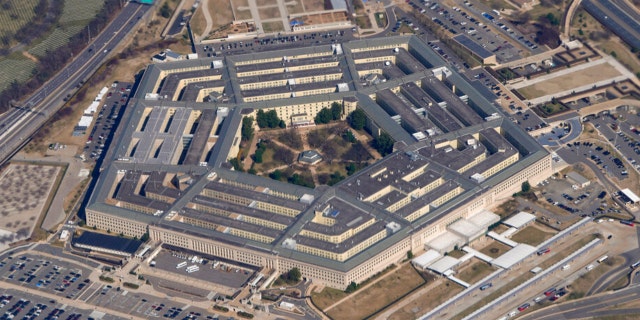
484 218
125 179
513 256
113 243
578 178
630 194
520 219
445 241
426 259
473 46
443 264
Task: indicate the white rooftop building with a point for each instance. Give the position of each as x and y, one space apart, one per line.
520 220
445 242
467 230
630 195
444 264
513 256
426 259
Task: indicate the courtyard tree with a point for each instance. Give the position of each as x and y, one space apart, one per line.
268 119
324 116
336 111
357 119
384 144
294 274
247 128
526 187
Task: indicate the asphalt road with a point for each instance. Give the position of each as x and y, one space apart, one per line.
593 306
19 124
614 15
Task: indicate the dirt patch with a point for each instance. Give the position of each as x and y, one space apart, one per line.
327 297
475 271
580 286
313 5
568 81
268 13
494 249
375 297
294 7
532 235
274 26
438 292
25 189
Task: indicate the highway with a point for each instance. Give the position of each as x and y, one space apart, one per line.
617 16
19 124
600 305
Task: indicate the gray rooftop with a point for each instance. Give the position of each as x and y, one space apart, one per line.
161 139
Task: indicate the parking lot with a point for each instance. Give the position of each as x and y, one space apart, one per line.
40 276
218 272
16 304
107 119
573 200
275 43
622 132
47 275
140 304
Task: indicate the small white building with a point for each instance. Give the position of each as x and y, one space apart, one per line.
445 242
513 256
630 195
426 259
578 179
287 305
520 220
444 264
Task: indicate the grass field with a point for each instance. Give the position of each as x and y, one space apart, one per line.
327 297
368 301
622 54
79 10
58 38
430 299
75 16
475 271
568 81
14 69
531 235
16 16
495 249
586 281
273 26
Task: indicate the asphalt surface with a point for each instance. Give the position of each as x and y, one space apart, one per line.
615 16
592 306
559 137
460 22
18 124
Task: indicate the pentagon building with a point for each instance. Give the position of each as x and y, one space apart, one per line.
168 172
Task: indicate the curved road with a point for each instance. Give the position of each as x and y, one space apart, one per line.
20 123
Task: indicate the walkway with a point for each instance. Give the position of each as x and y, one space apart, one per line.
207 17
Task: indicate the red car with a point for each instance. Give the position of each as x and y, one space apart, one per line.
523 307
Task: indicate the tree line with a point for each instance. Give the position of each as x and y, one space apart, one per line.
55 60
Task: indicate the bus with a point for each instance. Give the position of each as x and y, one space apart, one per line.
602 259
627 222
635 265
